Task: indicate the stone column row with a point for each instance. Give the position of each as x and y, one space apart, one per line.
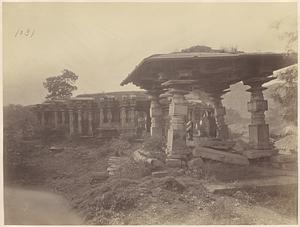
79 123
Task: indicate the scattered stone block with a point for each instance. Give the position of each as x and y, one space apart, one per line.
160 174
240 146
221 156
253 154
174 162
214 143
157 163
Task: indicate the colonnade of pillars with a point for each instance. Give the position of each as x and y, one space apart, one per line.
178 111
71 121
127 119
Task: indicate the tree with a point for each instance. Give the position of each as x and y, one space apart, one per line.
285 92
61 86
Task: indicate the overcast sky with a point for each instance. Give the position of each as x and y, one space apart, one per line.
103 42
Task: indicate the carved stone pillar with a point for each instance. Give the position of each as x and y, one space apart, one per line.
109 116
132 116
101 117
43 119
178 110
55 119
156 116
79 112
123 116
63 118
90 126
71 122
258 129
165 102
220 111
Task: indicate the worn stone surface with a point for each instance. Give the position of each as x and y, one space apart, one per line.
214 143
221 156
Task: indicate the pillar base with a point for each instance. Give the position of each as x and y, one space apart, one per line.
176 143
259 137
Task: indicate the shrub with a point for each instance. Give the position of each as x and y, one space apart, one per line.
154 147
133 170
120 147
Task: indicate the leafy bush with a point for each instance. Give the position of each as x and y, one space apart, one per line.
154 147
120 147
285 94
133 170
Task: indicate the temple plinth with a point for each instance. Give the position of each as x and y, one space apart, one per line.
258 129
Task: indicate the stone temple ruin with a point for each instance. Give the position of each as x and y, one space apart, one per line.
176 75
108 115
166 107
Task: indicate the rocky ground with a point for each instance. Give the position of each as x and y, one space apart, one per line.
134 196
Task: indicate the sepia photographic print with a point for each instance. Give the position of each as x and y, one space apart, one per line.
150 113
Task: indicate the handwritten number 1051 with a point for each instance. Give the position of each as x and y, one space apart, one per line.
27 33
